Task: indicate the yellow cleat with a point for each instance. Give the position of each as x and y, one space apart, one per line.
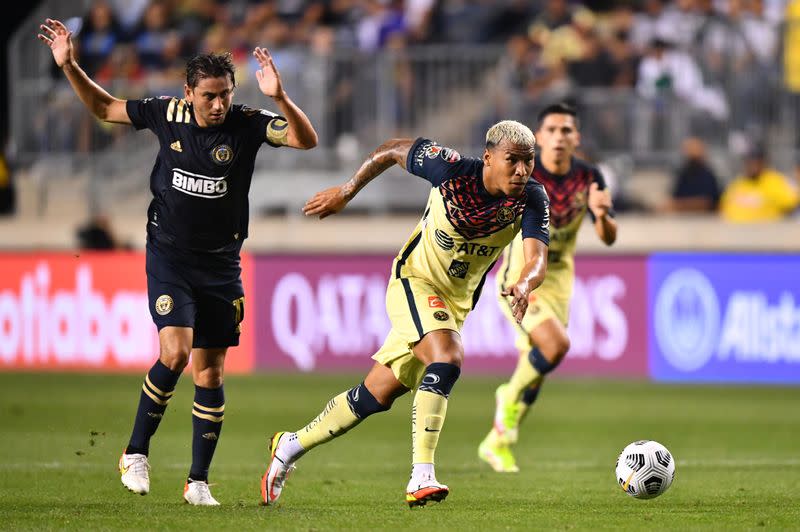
497 454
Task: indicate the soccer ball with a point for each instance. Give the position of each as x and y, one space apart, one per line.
645 469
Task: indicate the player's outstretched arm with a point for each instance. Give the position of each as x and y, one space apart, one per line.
301 133
530 278
600 204
333 200
97 100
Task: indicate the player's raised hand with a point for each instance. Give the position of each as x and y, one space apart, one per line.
326 202
519 299
269 81
599 200
59 39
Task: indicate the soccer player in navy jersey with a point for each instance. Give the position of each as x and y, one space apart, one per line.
475 208
196 224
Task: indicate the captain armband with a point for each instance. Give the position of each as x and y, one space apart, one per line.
278 131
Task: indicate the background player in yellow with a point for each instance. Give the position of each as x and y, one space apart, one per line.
475 208
573 187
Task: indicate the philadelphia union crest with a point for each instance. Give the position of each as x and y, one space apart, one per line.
164 305
222 154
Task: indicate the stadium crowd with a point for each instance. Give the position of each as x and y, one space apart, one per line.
724 61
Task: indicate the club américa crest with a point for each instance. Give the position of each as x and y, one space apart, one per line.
505 215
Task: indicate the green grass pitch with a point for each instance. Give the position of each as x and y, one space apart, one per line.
737 452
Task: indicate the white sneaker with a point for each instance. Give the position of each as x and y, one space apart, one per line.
198 493
135 472
276 474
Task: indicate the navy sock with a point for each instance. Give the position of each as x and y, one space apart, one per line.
530 395
207 415
538 361
362 403
159 385
440 378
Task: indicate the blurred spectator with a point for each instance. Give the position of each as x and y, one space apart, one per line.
152 36
696 188
673 92
762 194
99 35
791 72
382 19
97 234
739 51
7 191
129 12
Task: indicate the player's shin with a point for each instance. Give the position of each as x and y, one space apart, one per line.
427 418
157 390
208 412
341 414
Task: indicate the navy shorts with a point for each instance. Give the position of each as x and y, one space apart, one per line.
198 290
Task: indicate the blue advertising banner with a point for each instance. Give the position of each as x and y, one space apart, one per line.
724 318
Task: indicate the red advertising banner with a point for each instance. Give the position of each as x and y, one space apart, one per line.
88 311
328 313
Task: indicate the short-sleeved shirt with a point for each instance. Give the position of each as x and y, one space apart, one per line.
464 228
569 201
201 177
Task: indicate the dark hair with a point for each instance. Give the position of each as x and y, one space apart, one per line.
209 66
561 108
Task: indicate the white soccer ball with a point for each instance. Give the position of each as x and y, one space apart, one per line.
645 469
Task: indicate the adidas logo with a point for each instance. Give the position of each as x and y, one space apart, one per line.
155 415
210 436
176 146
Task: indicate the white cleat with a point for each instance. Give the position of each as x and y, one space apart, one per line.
277 472
135 473
197 493
425 491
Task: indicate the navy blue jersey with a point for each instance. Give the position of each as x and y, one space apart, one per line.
201 177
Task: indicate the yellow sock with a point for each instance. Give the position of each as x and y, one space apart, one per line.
427 418
524 376
335 420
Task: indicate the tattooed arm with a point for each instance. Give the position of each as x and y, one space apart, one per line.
333 200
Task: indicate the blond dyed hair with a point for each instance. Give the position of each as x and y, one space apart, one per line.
512 131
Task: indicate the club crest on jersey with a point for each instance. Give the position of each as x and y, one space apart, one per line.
441 315
450 155
164 305
222 154
505 215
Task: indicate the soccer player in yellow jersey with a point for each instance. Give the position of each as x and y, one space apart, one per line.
573 187
476 207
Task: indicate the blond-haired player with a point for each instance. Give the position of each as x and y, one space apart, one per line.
574 187
475 208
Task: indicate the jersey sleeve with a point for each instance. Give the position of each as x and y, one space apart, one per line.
536 216
272 127
435 163
149 113
597 177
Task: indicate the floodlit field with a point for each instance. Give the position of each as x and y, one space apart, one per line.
737 451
